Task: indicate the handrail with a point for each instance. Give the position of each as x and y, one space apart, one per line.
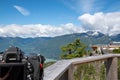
63 69
93 58
56 70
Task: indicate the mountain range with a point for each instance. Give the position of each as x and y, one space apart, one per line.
50 46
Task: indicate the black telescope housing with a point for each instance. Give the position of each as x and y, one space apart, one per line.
14 65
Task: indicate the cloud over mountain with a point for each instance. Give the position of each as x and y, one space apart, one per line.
38 30
107 23
104 22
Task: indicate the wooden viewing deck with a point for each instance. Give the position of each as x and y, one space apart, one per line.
64 69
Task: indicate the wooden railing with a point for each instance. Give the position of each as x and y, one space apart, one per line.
64 69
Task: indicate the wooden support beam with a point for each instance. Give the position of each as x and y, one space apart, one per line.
71 72
111 68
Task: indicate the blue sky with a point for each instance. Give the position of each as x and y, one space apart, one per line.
40 11
58 17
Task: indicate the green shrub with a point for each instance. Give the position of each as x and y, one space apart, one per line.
116 50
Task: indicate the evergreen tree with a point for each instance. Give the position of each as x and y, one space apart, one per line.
73 49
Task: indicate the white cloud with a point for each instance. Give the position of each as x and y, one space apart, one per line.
83 6
38 30
22 10
86 5
103 22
